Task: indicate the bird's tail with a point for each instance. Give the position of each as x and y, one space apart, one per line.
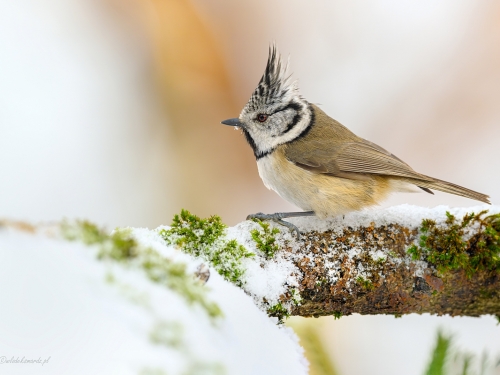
448 187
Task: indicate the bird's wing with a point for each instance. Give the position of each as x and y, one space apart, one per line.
352 160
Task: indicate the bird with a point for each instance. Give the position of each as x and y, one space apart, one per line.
315 162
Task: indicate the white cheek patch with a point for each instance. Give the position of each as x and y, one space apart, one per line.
283 129
265 142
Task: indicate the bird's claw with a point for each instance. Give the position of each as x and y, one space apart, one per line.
277 218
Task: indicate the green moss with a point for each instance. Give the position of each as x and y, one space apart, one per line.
175 276
265 239
296 297
110 278
279 311
445 246
486 293
365 283
205 238
169 334
193 233
120 246
84 231
415 252
337 315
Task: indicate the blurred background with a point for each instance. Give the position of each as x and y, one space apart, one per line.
110 110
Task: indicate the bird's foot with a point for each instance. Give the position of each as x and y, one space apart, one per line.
277 218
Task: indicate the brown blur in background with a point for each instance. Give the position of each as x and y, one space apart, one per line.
110 110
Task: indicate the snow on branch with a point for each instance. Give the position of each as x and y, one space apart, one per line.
397 261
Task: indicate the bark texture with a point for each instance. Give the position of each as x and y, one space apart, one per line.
368 271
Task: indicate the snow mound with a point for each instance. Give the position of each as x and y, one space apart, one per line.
81 314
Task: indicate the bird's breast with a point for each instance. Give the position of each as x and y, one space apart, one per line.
324 194
283 177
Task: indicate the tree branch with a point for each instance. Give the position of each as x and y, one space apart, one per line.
443 265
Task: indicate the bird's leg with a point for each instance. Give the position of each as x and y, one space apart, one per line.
278 216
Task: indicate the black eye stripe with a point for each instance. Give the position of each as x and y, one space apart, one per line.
294 122
296 106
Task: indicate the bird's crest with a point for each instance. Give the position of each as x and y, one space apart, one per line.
275 87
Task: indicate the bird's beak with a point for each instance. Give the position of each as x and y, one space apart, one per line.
232 122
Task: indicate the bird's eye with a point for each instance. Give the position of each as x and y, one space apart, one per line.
261 117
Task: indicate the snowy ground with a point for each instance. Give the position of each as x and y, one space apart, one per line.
81 315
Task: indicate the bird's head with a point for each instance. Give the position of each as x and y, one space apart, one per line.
275 113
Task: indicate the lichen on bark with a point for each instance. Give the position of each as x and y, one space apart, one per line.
452 268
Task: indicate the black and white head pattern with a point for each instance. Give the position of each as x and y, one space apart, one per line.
276 113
